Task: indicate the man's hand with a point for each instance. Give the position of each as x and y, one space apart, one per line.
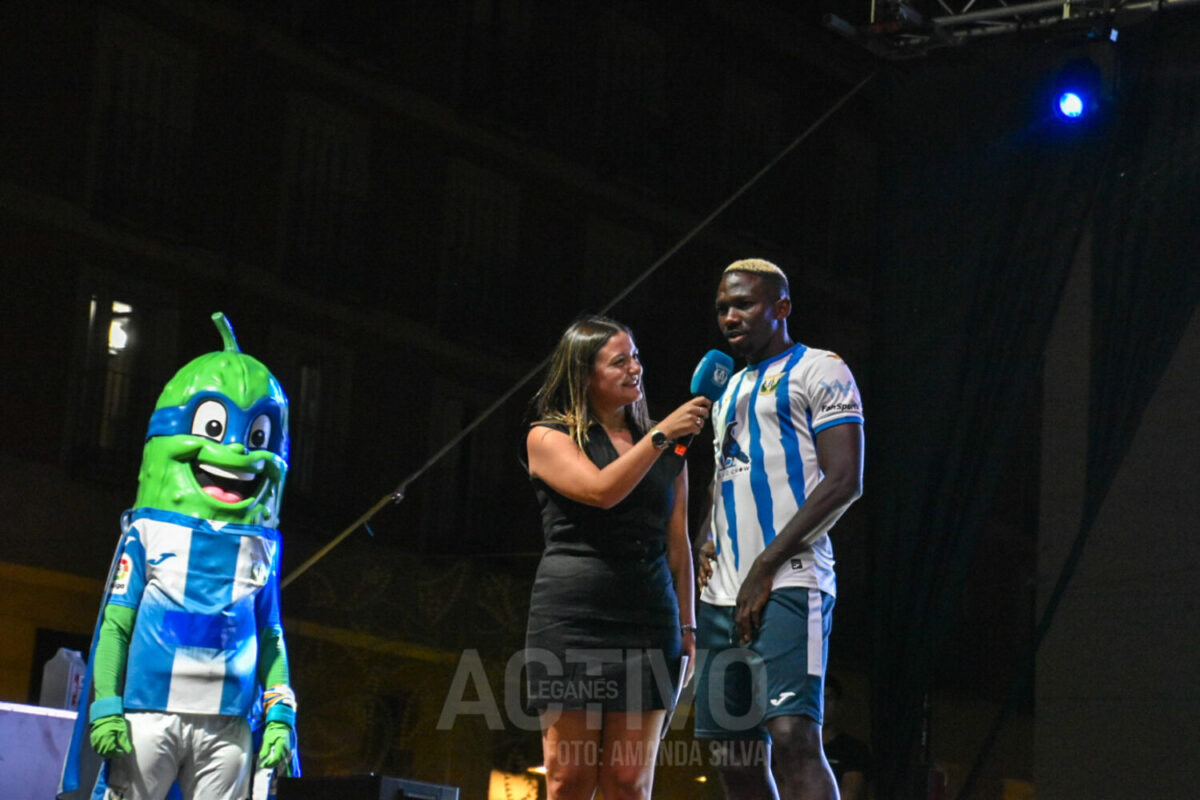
751 599
705 555
110 736
276 746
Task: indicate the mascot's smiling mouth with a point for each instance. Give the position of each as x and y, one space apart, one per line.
226 485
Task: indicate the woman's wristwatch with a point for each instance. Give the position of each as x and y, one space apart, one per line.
659 439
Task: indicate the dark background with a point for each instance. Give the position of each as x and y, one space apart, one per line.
401 205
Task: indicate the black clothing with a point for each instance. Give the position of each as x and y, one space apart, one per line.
604 584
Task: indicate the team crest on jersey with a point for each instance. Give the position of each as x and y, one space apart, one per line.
770 382
121 580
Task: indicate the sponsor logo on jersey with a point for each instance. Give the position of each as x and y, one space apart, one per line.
841 407
121 579
838 389
777 700
154 562
733 460
728 473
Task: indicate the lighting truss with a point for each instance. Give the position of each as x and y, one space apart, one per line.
898 30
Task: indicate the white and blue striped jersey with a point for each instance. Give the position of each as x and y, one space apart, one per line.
203 590
765 430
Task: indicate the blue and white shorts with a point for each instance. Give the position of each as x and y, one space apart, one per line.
780 673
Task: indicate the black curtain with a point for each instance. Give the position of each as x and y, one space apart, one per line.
981 218
1145 276
985 200
1147 258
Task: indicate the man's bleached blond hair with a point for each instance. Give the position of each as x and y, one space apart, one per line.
760 266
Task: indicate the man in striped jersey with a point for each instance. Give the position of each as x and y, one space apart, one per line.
788 444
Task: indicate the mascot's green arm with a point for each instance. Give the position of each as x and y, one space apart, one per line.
109 733
273 674
112 649
272 658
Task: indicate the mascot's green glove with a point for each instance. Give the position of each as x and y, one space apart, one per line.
110 736
276 746
110 731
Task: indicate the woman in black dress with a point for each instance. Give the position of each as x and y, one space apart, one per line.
612 607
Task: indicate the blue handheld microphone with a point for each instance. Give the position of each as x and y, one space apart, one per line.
708 380
712 375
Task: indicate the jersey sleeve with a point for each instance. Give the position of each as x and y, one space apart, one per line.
832 393
129 581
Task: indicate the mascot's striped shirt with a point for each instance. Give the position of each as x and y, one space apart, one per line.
203 590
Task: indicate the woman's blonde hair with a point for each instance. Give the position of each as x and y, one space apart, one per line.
563 398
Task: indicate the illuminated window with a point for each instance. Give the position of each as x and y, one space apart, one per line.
126 353
118 371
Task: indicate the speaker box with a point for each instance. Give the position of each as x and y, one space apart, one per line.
362 787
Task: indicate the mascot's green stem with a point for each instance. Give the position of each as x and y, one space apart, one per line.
225 328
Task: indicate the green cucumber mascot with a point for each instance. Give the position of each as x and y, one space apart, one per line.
189 651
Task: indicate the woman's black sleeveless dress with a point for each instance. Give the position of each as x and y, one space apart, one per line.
603 626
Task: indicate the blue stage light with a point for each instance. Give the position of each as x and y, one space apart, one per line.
1070 105
1077 91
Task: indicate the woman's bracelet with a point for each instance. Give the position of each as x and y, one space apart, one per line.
687 629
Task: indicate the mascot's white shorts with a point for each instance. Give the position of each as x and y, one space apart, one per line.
208 754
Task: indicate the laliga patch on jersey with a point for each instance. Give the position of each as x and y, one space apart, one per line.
121 581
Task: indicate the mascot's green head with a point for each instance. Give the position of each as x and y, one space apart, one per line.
217 444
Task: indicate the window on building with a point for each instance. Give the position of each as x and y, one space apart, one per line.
315 375
126 355
615 256
499 67
631 105
463 494
751 131
480 236
324 193
141 143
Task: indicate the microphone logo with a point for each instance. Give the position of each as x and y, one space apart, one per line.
711 375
